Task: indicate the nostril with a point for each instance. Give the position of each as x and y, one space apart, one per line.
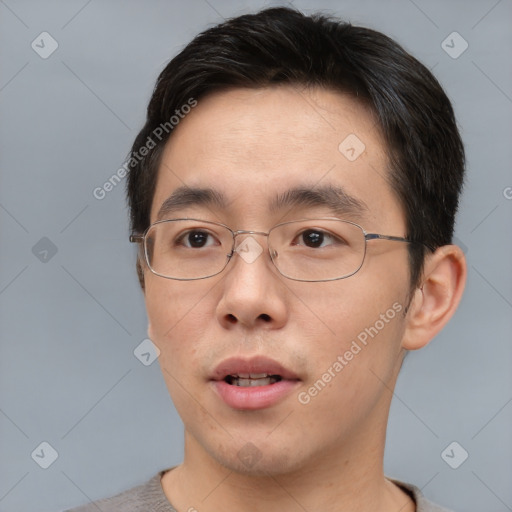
231 318
265 317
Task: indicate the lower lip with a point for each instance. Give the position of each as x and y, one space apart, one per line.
254 397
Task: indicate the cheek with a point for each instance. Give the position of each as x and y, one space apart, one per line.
353 372
177 319
355 327
337 312
169 302
177 326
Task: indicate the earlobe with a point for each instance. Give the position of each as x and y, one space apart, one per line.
436 301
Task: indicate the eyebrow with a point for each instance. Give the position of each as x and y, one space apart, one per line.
336 199
186 197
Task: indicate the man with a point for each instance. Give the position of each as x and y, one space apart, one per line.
293 195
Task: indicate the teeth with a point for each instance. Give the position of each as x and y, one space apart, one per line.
245 383
251 375
252 379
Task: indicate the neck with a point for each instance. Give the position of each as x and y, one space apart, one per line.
347 477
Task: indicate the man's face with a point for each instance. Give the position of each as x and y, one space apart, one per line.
252 146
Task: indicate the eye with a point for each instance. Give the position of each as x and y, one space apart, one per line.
196 239
315 238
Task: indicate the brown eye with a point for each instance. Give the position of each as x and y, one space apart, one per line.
196 239
312 238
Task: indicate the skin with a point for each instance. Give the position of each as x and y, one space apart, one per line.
328 454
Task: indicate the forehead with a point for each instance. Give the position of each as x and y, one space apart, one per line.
254 145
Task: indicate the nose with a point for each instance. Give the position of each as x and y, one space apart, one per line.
253 292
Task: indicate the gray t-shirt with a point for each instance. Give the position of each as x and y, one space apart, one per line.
150 497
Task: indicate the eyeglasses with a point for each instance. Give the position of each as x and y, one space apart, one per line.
302 250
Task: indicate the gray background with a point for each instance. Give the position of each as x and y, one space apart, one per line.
70 324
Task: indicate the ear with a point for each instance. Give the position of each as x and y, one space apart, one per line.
435 301
140 275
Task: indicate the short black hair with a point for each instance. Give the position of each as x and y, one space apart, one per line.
283 46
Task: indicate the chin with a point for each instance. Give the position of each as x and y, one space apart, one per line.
259 459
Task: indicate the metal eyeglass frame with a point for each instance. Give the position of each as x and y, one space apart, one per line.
141 238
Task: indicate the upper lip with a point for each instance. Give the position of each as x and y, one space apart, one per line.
254 365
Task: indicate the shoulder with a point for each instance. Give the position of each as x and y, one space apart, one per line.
142 498
422 504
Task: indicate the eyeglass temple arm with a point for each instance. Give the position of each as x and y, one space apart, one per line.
377 236
136 238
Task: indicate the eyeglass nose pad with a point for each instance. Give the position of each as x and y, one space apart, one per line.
273 253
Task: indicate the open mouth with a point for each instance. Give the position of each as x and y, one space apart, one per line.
252 383
247 380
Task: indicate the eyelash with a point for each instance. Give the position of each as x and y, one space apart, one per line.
182 238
